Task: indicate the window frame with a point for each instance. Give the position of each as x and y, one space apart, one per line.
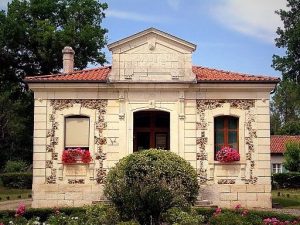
277 168
65 131
226 131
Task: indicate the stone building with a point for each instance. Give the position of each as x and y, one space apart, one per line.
151 97
278 147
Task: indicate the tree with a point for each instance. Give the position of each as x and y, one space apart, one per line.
35 32
285 109
289 39
292 157
32 36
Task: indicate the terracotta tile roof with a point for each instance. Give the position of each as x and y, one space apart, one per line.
93 75
278 142
204 74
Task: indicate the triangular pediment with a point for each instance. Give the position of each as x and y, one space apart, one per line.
150 37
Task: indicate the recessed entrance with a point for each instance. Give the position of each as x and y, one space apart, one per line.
151 130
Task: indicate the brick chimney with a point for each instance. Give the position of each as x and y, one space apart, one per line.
68 59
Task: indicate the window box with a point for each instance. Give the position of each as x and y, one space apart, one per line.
76 155
227 155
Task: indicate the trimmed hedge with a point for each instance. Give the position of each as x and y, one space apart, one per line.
17 180
286 180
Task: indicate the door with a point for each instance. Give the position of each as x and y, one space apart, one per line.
151 130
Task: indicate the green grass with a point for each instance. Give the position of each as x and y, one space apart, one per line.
287 198
13 194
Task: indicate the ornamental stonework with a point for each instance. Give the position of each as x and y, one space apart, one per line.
100 106
244 104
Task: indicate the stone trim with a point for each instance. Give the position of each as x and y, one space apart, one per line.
244 104
59 104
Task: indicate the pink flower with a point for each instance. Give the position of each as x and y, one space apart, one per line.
237 207
20 210
245 212
227 154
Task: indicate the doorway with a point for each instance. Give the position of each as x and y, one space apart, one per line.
151 129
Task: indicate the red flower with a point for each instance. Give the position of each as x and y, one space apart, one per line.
72 155
20 210
227 154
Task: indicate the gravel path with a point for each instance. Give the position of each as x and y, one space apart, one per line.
295 212
13 204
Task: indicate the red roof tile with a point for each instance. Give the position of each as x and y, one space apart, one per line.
98 74
278 142
204 74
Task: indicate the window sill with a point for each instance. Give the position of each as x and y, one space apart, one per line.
228 163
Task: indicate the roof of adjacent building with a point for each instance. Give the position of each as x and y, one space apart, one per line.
203 75
278 142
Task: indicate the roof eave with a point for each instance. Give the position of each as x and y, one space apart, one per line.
240 81
65 81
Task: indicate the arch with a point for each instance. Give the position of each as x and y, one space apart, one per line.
151 129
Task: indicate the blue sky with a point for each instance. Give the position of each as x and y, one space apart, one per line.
235 35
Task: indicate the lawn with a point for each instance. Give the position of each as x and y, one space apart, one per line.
287 198
12 194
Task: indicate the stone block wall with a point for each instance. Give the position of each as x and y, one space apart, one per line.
246 182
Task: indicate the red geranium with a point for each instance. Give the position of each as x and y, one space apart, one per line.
72 155
227 154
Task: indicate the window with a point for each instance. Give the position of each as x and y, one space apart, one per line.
276 168
226 132
77 132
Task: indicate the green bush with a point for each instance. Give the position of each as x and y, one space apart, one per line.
15 166
146 184
286 180
179 217
228 218
130 222
101 214
17 180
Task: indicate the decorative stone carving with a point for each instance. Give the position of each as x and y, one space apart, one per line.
76 181
243 104
49 164
60 104
201 156
226 181
101 176
52 178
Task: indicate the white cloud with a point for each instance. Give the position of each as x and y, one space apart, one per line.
256 18
135 16
174 4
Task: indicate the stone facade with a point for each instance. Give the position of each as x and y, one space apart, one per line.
152 71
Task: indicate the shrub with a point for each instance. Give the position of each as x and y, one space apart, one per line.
17 180
179 217
15 166
228 218
130 222
286 180
292 156
146 184
101 214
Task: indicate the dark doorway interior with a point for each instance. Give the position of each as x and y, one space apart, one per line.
151 130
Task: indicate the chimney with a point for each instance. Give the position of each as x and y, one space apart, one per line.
68 59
